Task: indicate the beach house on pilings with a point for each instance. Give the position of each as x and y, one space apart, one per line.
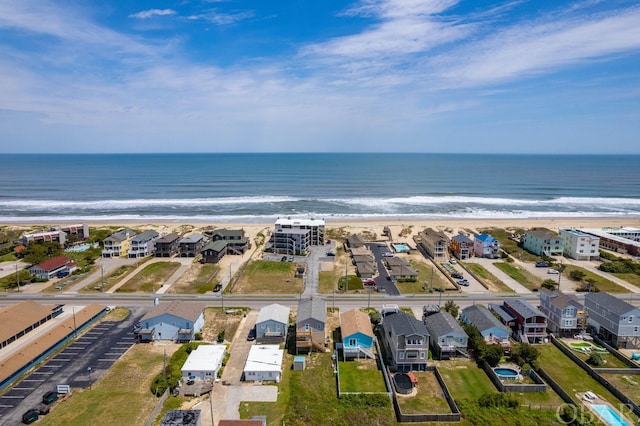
310 325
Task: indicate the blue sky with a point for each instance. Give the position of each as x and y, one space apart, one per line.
320 76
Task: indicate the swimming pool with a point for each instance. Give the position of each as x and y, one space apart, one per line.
609 415
400 248
506 373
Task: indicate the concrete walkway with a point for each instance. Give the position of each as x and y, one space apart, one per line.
224 401
506 279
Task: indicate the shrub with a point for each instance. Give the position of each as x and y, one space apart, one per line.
595 359
496 400
220 337
198 336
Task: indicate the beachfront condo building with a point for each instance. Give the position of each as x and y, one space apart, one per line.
542 242
315 227
579 245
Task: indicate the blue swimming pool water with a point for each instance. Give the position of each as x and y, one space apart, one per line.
400 247
507 372
608 415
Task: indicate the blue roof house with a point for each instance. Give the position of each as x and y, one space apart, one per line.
484 245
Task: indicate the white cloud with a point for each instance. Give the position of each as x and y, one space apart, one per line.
146 14
217 18
527 49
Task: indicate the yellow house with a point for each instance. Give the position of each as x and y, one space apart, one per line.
118 244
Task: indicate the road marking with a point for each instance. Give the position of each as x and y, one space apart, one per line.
22 388
49 373
113 353
13 397
63 359
33 380
6 406
107 360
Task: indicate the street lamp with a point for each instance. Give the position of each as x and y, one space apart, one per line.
89 371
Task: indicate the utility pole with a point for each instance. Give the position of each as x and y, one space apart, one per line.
17 277
346 278
102 278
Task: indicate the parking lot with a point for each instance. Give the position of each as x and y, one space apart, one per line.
79 365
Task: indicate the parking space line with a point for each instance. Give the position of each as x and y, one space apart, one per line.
107 360
49 373
22 388
13 397
113 353
62 359
33 380
6 406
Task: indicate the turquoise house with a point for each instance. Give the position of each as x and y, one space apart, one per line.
357 334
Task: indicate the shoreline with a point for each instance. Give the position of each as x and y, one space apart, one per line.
450 225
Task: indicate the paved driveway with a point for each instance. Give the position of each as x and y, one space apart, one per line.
227 394
79 365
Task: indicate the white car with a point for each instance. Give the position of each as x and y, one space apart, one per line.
552 271
453 261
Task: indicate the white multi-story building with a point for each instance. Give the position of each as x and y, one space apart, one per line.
579 245
315 227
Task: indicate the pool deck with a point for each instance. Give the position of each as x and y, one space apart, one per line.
599 401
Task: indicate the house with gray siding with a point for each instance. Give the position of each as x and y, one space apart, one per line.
272 323
191 245
565 314
613 319
178 321
310 325
143 244
406 341
446 335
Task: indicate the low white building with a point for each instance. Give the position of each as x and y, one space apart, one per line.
204 362
264 363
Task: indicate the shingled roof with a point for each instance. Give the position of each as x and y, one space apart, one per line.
177 308
355 321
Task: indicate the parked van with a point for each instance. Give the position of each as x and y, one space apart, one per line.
50 397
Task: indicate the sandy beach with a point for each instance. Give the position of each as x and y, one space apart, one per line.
449 226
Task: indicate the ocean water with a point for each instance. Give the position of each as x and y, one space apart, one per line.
262 187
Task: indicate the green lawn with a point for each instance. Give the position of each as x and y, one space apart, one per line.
110 279
268 277
490 280
520 274
569 375
309 397
600 282
428 399
360 376
630 278
465 379
629 384
150 279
